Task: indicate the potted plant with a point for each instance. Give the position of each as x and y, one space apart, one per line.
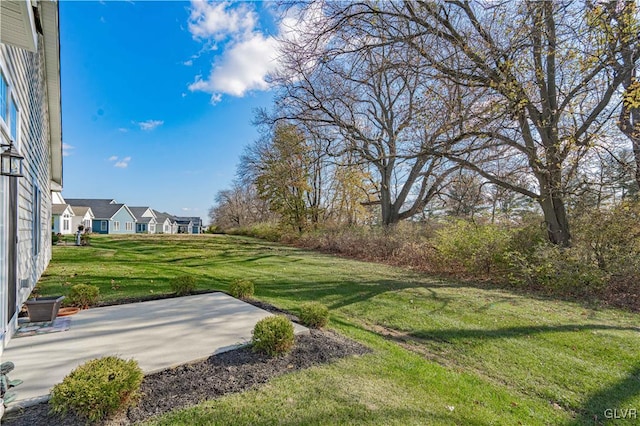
42 309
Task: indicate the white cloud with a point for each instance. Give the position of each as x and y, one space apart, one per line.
188 63
246 57
185 209
66 149
122 164
217 21
123 130
149 124
242 68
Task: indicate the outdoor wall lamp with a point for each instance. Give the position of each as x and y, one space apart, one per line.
10 161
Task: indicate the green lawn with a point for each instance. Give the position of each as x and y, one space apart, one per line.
443 352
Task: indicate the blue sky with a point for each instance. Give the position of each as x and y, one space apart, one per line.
158 98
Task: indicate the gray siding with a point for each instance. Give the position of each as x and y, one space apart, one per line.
26 74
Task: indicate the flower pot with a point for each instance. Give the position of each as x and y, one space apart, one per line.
43 309
63 312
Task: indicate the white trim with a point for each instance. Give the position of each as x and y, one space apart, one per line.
5 126
27 38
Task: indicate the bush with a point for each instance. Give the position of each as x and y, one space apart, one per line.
273 335
83 295
241 289
314 314
55 238
478 248
264 231
98 389
85 239
183 285
558 271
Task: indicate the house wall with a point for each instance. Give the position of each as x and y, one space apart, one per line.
97 226
123 217
26 75
81 220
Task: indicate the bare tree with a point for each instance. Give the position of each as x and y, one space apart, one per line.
546 74
374 101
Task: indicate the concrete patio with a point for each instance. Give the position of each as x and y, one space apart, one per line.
158 334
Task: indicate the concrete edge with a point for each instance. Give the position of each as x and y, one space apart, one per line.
298 330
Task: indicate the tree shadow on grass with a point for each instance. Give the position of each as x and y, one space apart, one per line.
611 404
599 408
451 335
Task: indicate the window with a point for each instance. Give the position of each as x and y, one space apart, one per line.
4 96
13 120
87 223
103 225
8 109
152 228
36 220
116 226
65 224
128 226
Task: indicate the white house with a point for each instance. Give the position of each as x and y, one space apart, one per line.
146 220
166 223
30 133
62 219
82 216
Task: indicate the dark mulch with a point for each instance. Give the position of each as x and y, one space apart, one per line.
190 384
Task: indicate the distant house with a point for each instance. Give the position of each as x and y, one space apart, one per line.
184 225
62 219
82 216
189 225
109 217
146 221
166 223
31 128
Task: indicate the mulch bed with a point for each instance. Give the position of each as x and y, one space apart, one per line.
190 384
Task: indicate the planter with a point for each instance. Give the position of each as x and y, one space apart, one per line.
43 309
63 312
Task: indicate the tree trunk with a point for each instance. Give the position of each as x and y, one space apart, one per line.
388 209
555 217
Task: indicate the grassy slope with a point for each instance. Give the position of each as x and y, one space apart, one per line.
476 356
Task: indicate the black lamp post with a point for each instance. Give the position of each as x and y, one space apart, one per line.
10 161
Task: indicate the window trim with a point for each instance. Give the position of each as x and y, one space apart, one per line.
6 125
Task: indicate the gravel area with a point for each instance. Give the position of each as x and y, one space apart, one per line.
190 384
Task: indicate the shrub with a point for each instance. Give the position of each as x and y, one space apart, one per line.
314 314
83 295
558 271
273 335
98 389
266 231
478 248
241 289
183 285
55 238
85 239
